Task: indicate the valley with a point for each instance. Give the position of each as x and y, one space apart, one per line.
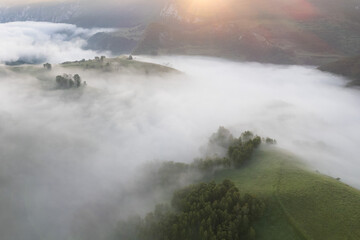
179 119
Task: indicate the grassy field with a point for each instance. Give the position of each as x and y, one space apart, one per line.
120 64
301 204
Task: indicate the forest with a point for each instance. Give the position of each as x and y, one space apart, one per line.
202 210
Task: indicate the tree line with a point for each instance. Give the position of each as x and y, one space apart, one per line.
238 151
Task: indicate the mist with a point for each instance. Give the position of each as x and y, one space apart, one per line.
311 113
70 159
38 42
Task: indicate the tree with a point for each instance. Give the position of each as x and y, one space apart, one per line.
59 80
77 80
270 141
71 83
47 66
67 81
243 148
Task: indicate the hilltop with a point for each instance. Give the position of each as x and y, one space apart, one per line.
299 203
290 201
121 64
118 65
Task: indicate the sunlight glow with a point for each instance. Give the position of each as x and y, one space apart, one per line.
294 9
207 8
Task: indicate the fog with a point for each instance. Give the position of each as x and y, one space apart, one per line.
37 42
69 158
309 112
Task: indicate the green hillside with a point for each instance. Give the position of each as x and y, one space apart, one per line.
119 64
301 204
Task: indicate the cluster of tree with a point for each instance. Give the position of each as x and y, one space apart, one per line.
100 59
237 151
270 141
242 148
47 66
67 81
203 211
227 152
218 144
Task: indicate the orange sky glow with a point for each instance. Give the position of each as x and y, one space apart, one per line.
295 9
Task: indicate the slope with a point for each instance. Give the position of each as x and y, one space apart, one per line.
300 204
282 32
347 67
120 64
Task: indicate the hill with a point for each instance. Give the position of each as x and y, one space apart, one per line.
120 65
295 203
296 32
347 67
301 204
121 41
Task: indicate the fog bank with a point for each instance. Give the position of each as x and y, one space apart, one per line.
67 156
37 42
309 112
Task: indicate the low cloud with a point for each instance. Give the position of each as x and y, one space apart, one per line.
309 112
67 156
36 42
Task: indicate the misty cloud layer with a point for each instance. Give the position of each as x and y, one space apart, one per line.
69 155
37 42
311 113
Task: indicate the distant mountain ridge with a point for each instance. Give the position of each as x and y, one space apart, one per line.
347 67
312 32
83 13
121 41
286 32
127 18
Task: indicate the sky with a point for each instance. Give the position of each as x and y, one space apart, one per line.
15 2
21 2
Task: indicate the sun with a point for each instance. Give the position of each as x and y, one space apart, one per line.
208 8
